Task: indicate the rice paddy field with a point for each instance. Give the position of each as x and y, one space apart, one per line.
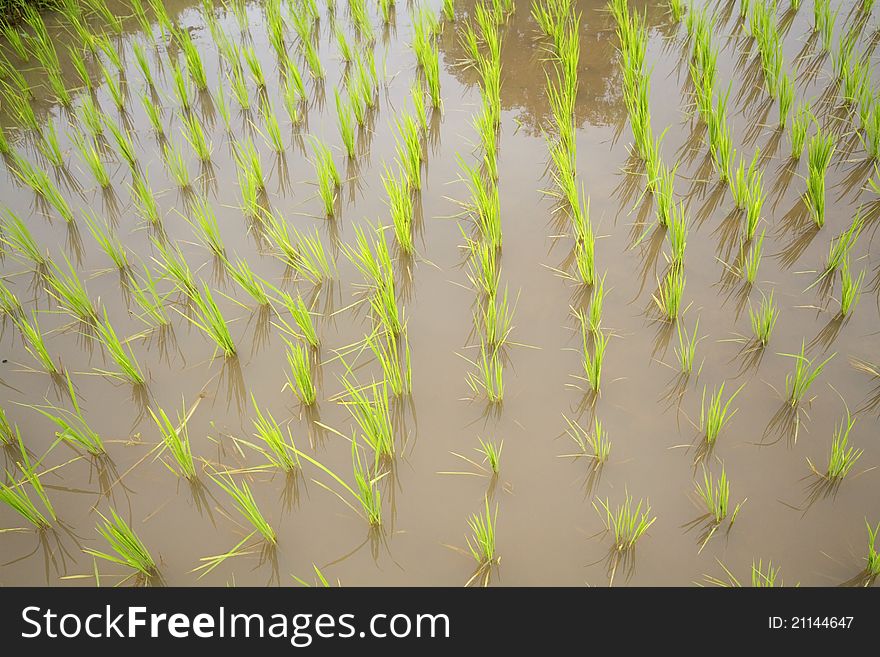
321 292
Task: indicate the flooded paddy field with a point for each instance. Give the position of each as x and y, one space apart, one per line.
440 293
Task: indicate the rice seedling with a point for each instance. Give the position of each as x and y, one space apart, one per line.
595 444
211 321
301 316
302 251
489 379
124 145
204 222
763 319
150 301
752 260
716 496
677 235
328 178
496 318
128 550
15 234
294 92
8 432
174 266
72 426
92 158
175 439
823 22
485 205
154 114
819 152
145 201
129 369
35 343
299 378
10 306
5 148
108 241
715 414
15 497
431 71
670 293
194 65
687 347
40 182
797 383
50 147
273 129
371 412
176 165
481 542
799 126
280 451
114 88
843 456
239 87
15 40
244 501
144 65
100 7
409 151
313 60
181 86
346 125
254 66
194 133
248 280
592 362
850 289
250 168
872 568
400 203
396 370
70 293
626 523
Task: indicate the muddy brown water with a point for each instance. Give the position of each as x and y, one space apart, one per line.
548 532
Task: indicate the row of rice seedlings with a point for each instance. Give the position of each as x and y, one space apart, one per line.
843 456
246 505
128 549
175 439
210 320
595 444
125 360
72 426
798 382
763 319
820 150
715 413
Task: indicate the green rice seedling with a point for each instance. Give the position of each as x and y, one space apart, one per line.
239 87
676 8
872 568
346 125
10 306
361 19
249 281
431 71
850 289
751 260
194 65
819 152
293 93
763 319
687 347
15 234
15 497
128 550
843 455
670 293
35 343
371 412
194 133
5 148
497 320
254 66
764 577
328 178
485 205
303 252
280 451
114 88
247 159
489 379
596 444
715 414
483 268
722 152
592 362
181 86
174 266
176 165
871 129
50 147
594 312
299 378
481 542
14 39
677 235
211 321
626 523
8 432
244 501
100 7
28 469
204 222
797 383
664 190
145 201
38 180
786 98
73 428
154 114
150 301
491 454
81 68
143 64
223 108
175 439
799 126
716 496
400 203
92 158
124 145
409 151
125 360
310 52
301 316
343 45
273 129
70 293
108 241
823 22
397 370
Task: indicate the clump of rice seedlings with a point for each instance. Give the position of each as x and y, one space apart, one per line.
481 542
10 306
79 65
489 379
786 98
687 347
8 432
239 87
129 369
100 8
14 39
303 252
763 319
124 144
431 71
150 301
50 147
670 293
627 522
585 244
752 260
114 88
194 133
14 495
162 18
485 205
154 113
181 87
409 151
174 266
819 152
248 280
346 125
145 201
194 65
273 129
592 362
677 235
850 289
400 203
483 271
204 222
5 147
843 455
108 241
716 496
15 234
595 444
253 64
491 454
343 45
250 168
361 19
328 178
799 126
211 320
371 412
379 274
70 293
294 93
797 383
299 378
175 439
664 189
397 371
496 320
715 414
144 65
823 22
35 343
72 426
280 451
39 181
246 504
176 165
302 317
449 10
20 109
872 568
